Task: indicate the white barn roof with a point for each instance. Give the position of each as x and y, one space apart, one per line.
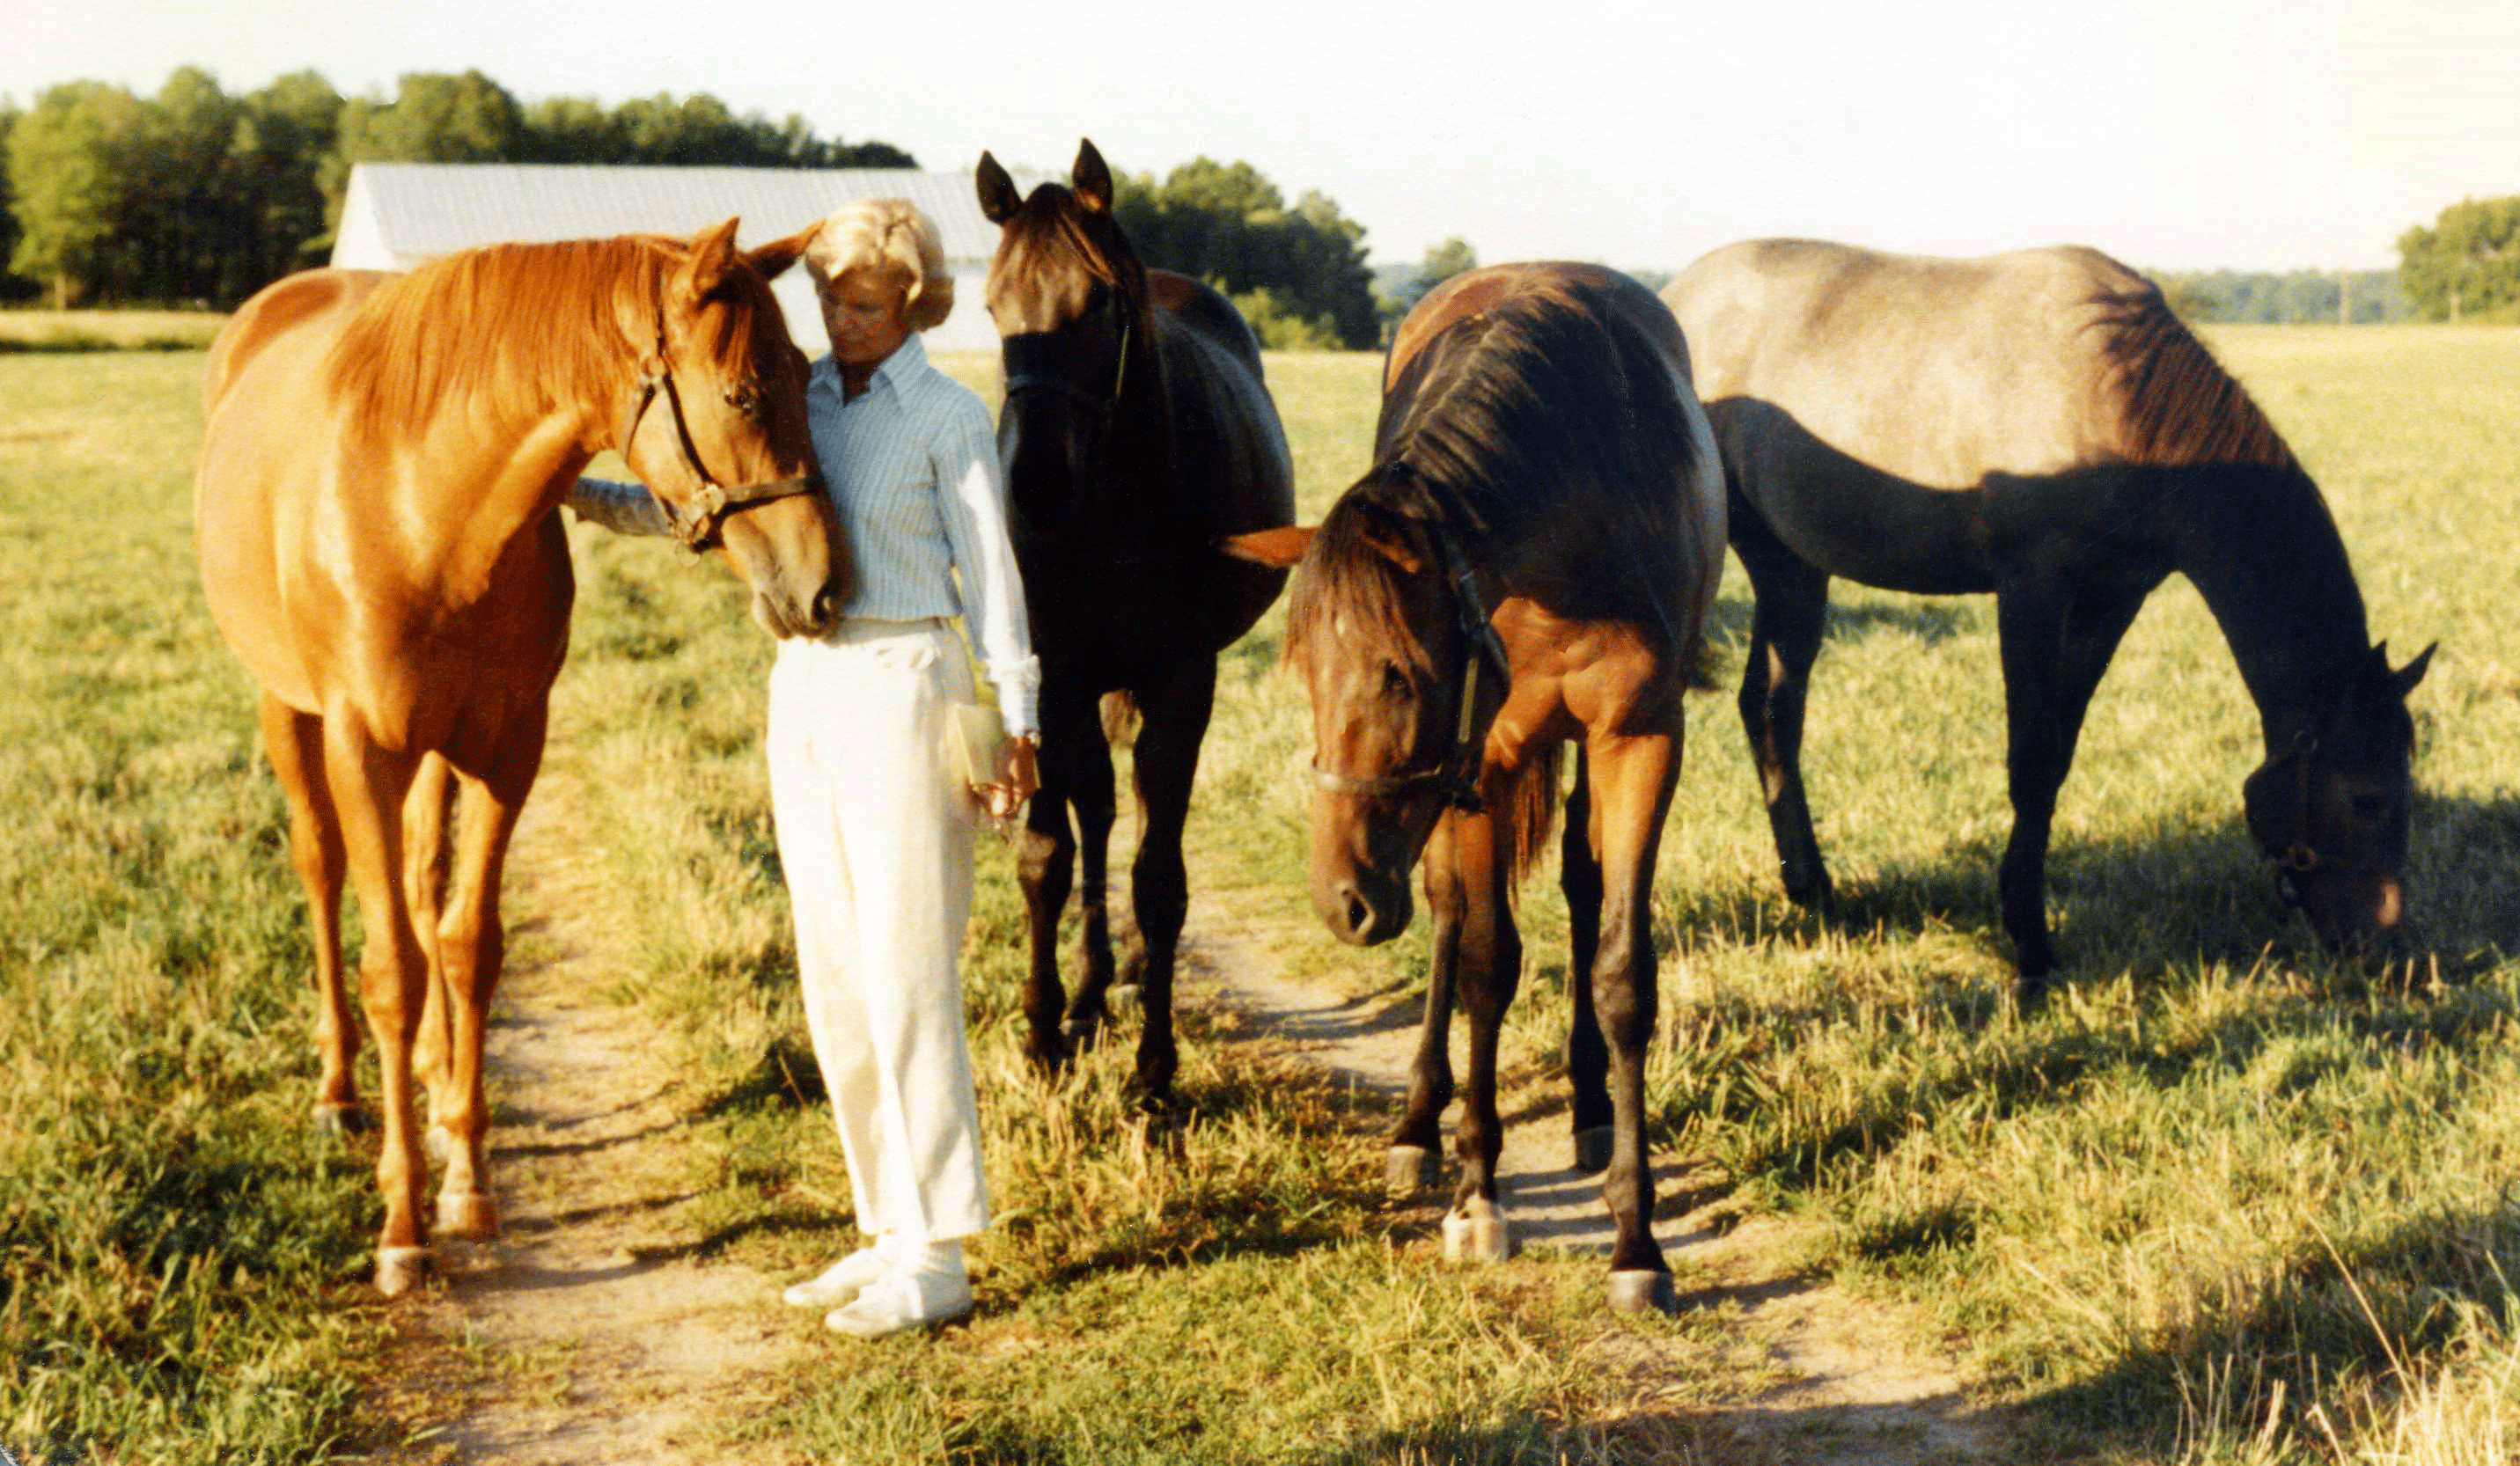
398 215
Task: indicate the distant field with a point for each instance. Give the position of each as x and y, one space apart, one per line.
106 330
2219 1202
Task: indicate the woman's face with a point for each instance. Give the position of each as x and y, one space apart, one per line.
863 310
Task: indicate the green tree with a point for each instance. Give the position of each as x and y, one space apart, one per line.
436 117
187 214
575 130
2467 264
72 167
278 149
1303 268
13 285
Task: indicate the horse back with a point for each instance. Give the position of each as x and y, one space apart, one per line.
313 301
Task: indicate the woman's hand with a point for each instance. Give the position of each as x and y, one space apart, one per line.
1018 778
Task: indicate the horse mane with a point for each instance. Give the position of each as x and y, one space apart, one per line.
2176 406
490 329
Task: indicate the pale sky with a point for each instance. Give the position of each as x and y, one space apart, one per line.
2176 134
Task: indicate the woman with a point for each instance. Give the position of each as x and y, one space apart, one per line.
874 831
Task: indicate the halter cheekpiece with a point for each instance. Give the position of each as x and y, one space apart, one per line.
696 524
1453 776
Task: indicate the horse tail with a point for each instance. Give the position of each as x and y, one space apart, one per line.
1528 810
1119 717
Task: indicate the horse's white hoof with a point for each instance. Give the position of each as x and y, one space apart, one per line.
1592 1149
1408 1170
401 1268
438 1141
1481 1235
470 1215
339 1119
1643 1291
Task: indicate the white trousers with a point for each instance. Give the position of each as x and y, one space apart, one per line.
875 832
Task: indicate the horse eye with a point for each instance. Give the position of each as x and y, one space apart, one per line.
745 400
1395 682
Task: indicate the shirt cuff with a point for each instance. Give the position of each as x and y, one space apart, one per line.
1018 685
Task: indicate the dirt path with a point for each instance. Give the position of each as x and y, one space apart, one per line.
1859 1389
586 1334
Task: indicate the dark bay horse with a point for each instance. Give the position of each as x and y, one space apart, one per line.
374 512
1137 433
1529 562
2040 425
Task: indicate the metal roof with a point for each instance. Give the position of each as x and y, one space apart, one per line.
425 210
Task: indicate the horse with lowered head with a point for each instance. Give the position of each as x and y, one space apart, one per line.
1137 433
2040 425
1529 562
374 508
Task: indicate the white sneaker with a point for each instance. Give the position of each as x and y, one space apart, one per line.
904 1300
840 1283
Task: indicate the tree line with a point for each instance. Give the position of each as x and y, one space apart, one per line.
196 195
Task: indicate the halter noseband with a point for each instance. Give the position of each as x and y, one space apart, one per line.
2300 858
1033 380
1455 776
696 524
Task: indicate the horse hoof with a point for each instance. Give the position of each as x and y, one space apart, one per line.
1408 1170
1482 1237
1643 1291
339 1119
470 1215
1592 1149
2030 990
401 1268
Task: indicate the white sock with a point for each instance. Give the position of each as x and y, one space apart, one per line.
917 1255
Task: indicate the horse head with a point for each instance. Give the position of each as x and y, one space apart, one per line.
715 426
1388 629
1068 296
2328 811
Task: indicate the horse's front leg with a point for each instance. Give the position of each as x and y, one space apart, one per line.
1176 709
1588 1058
1413 1161
369 781
1490 965
473 947
1092 796
1631 778
1046 864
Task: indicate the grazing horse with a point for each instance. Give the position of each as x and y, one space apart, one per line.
1137 433
1529 562
373 506
2038 425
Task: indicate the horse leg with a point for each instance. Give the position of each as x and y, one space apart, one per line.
1091 794
1476 1228
1632 779
473 947
1588 1056
1791 610
1412 1163
369 783
2053 651
425 815
1175 708
294 742
1045 865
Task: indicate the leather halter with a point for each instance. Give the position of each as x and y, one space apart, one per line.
1033 380
2300 858
1455 776
696 523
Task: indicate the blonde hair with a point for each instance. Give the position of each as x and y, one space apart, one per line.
873 233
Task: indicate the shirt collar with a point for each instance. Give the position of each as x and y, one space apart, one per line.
909 357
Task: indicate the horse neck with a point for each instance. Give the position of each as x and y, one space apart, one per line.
2260 547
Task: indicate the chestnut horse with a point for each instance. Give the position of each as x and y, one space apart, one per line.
1529 562
1137 433
2040 425
374 508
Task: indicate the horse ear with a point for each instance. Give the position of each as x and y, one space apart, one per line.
1275 548
1090 178
1394 551
2404 680
705 268
774 258
997 198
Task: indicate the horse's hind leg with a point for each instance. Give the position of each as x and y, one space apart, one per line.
1588 1057
2055 651
294 742
1413 1162
1176 710
1789 614
1091 794
1632 784
471 944
1046 861
369 783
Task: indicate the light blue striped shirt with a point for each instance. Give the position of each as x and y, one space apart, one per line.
913 470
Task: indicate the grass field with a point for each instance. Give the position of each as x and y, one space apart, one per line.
2219 1201
106 330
